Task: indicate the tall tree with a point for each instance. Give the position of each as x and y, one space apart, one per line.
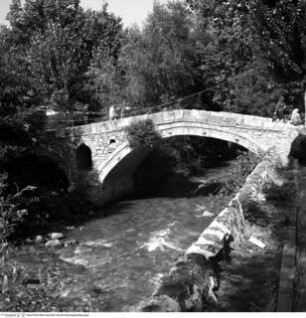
227 50
20 122
282 29
232 56
58 39
161 61
105 37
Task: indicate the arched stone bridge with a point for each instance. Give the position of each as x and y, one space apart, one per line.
114 162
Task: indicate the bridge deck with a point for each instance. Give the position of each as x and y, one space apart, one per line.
183 115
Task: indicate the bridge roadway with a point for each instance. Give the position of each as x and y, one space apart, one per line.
114 162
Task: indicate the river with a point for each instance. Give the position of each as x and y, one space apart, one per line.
124 249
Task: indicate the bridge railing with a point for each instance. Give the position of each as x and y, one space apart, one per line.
62 120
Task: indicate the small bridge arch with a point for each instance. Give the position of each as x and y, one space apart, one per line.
83 156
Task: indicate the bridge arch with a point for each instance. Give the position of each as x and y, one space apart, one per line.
180 129
83 157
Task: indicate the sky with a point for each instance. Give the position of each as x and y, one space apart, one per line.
131 11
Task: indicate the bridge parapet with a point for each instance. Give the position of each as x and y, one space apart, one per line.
182 115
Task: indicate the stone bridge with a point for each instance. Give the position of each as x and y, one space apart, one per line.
103 156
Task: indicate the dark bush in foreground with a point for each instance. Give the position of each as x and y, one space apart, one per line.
280 195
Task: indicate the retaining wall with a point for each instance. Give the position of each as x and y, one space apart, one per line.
191 282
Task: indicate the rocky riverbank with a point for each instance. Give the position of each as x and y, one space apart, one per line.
248 231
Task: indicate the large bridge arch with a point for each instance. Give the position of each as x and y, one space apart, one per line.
179 129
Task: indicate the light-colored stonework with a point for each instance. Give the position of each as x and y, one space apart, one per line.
109 146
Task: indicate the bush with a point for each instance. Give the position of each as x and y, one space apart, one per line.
255 213
243 166
53 209
142 133
12 212
282 195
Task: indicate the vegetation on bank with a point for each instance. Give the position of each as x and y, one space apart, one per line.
142 134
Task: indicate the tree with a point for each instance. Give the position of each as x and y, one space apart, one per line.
161 62
20 122
282 30
104 81
255 91
34 16
58 39
228 48
58 61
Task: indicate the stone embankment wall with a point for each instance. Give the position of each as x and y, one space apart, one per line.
191 282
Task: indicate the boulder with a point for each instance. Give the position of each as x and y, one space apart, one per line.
54 243
159 304
71 242
56 236
39 239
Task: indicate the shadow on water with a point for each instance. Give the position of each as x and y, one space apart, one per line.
118 208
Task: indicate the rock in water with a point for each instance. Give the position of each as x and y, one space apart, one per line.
39 239
54 243
71 242
56 236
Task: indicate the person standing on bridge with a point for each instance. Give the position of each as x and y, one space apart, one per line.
279 110
112 113
295 117
124 109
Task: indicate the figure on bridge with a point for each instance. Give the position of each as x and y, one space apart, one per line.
282 110
296 118
112 113
124 109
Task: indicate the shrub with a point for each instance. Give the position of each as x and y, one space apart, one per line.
243 166
11 211
255 213
282 195
142 133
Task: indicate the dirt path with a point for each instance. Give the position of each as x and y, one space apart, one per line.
299 304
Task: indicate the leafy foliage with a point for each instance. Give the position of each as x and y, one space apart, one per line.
162 62
282 30
244 165
11 211
142 133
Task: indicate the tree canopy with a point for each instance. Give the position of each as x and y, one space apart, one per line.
282 31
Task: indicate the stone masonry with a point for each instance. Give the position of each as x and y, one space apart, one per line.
109 146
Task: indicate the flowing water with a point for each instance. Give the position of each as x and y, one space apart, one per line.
123 251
